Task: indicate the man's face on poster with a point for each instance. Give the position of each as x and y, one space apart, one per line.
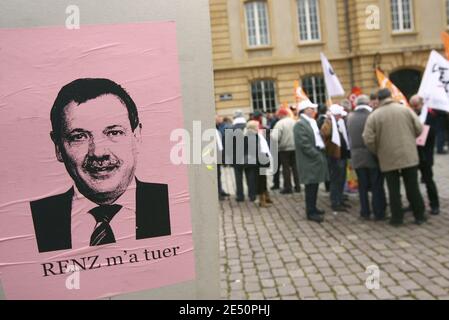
98 147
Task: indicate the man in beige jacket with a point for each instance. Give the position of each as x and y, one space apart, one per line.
283 133
391 133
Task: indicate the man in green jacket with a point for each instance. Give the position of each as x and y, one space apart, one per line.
310 157
391 133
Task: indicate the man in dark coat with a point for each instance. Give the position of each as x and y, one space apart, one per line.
221 127
440 119
365 163
235 155
310 157
426 153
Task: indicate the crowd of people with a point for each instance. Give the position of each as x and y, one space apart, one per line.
380 139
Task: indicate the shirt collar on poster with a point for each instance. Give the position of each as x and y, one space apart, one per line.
127 199
83 223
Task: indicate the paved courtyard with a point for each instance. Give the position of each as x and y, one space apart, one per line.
276 253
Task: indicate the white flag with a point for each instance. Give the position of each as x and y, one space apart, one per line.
434 87
333 85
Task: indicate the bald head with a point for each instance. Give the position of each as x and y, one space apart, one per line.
416 102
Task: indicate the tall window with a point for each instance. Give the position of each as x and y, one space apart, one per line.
447 12
309 23
257 23
402 16
315 88
263 95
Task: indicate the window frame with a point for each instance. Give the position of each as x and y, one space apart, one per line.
315 92
308 22
446 7
258 36
265 108
401 17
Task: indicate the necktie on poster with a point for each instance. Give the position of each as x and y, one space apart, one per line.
103 215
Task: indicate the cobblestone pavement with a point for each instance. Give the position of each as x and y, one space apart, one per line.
276 253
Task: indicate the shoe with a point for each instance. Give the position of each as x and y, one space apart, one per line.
286 191
240 199
320 212
346 205
315 218
275 187
421 221
380 218
267 198
366 218
221 198
339 209
263 201
297 189
252 199
442 152
396 224
407 209
224 194
435 211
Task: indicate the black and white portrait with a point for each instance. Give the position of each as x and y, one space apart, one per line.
97 134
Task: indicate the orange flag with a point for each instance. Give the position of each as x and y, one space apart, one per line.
300 95
384 82
445 38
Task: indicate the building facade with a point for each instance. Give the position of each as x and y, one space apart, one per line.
260 47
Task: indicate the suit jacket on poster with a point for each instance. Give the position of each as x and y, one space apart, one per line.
52 216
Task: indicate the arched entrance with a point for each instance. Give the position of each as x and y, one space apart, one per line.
407 80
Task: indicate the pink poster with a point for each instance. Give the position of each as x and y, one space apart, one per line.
90 204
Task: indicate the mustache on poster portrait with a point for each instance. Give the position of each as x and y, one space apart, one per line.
103 162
